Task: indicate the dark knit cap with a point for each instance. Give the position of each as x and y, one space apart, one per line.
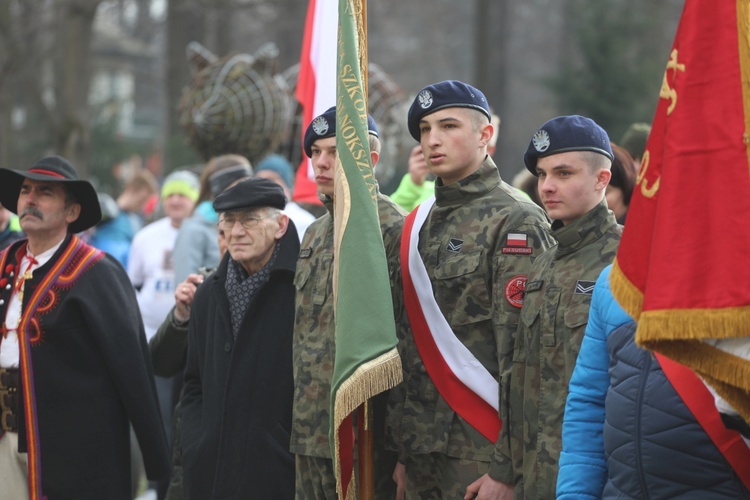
279 165
566 133
251 193
324 126
221 179
447 94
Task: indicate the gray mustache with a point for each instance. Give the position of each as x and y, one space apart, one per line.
31 211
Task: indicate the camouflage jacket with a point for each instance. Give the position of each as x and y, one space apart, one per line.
465 249
314 347
553 320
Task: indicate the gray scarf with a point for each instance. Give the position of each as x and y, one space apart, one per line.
241 288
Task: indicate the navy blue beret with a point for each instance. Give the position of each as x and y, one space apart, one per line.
567 133
251 193
324 126
447 94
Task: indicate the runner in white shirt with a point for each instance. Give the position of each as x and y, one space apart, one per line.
150 264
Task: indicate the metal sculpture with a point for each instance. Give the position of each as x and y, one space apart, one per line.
240 104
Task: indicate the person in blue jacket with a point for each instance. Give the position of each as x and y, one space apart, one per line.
626 432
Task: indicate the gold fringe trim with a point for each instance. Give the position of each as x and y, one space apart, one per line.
360 17
737 397
625 292
367 381
694 324
678 334
743 39
728 374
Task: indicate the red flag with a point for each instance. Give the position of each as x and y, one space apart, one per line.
316 83
681 270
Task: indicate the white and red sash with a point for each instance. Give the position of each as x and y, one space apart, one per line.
700 402
466 385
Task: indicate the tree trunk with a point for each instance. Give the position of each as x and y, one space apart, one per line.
72 78
6 69
183 26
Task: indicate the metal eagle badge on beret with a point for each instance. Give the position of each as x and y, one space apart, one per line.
320 125
425 99
541 140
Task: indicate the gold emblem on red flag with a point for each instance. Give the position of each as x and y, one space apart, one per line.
648 192
666 91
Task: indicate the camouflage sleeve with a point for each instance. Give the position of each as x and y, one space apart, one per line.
392 244
517 250
397 395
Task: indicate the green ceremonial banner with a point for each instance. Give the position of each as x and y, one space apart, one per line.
366 361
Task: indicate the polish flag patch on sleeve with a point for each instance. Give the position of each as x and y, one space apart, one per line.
517 240
517 243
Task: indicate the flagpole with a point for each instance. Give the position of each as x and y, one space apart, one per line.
364 452
364 62
366 487
367 362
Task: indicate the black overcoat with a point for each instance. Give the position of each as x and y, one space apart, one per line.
237 405
92 377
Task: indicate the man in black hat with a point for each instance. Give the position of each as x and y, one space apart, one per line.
237 402
468 252
572 157
74 368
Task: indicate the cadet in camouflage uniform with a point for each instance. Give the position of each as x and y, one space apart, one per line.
477 245
314 346
572 156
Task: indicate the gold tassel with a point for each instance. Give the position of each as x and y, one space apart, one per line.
738 398
369 380
728 374
625 292
695 324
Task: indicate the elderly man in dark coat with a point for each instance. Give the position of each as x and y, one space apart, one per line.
74 367
237 405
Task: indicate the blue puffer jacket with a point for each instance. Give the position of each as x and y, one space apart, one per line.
627 433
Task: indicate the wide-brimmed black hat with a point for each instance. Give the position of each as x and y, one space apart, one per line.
53 169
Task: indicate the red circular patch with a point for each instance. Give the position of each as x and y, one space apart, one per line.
515 290
8 268
3 282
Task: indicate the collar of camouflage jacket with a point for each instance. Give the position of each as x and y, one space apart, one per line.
584 230
482 181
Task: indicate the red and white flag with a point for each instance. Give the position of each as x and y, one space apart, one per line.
517 239
316 83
